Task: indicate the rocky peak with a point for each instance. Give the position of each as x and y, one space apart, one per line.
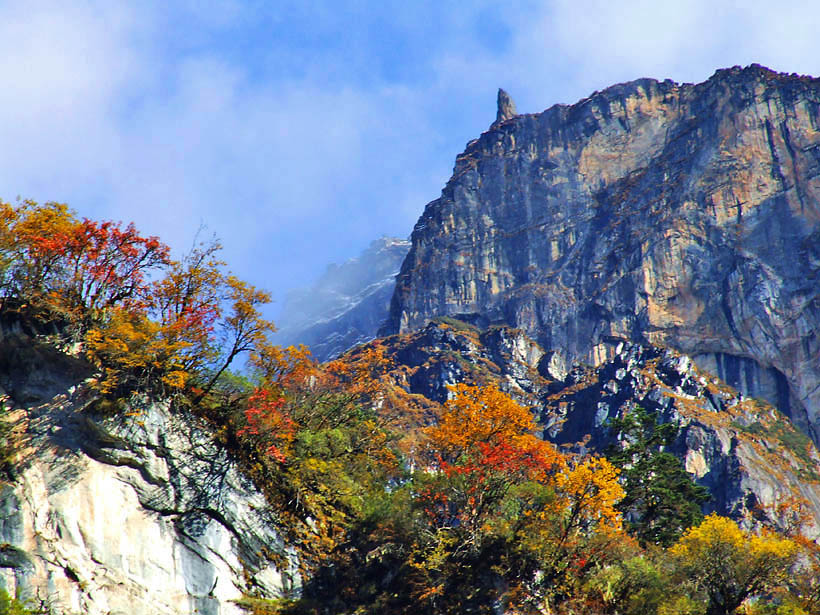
687 216
506 107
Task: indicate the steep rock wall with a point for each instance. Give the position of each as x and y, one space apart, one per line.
676 214
134 515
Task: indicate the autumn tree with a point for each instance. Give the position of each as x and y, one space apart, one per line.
475 415
628 581
189 328
728 565
130 355
106 265
33 241
74 269
803 584
507 514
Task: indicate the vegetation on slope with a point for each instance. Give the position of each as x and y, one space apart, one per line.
472 514
661 500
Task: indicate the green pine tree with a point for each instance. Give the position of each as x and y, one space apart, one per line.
12 606
661 498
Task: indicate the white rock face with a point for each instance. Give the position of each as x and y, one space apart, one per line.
140 515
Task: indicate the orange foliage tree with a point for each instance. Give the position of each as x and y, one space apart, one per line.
53 262
501 499
476 415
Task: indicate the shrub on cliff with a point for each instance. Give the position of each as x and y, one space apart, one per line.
148 322
13 606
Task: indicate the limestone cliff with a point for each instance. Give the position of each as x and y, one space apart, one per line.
137 515
681 215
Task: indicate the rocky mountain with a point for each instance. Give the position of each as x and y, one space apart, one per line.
347 305
142 514
657 244
678 215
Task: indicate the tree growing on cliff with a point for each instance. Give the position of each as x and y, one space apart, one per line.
190 327
53 264
661 500
146 321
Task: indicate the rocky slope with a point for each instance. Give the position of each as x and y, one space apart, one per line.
347 305
749 456
140 515
685 216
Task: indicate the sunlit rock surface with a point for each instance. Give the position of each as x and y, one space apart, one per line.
136 515
681 215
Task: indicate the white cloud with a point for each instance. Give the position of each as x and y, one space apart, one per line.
62 68
568 49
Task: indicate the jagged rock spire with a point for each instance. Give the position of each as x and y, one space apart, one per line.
506 107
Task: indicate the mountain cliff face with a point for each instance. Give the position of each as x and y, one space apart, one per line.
347 305
679 215
137 515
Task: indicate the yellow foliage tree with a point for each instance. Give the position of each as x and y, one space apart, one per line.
132 353
33 240
590 490
729 565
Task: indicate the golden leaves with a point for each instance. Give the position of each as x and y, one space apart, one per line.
479 414
730 564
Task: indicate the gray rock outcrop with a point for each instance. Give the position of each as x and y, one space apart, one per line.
750 457
506 107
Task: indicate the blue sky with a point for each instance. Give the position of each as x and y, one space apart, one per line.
299 131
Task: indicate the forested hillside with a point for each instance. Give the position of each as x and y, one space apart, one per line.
369 493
